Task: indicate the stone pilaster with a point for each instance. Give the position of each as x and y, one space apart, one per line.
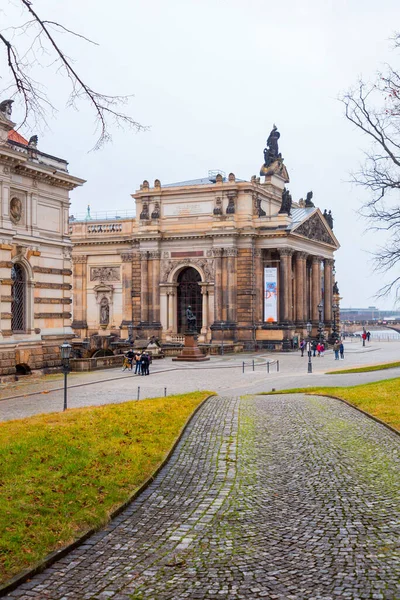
259 283
126 258
300 304
315 287
144 287
217 253
231 254
328 289
155 256
79 262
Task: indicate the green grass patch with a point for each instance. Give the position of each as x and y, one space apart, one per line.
380 399
367 369
64 473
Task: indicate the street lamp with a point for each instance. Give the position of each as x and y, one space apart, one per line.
309 330
320 322
335 309
65 351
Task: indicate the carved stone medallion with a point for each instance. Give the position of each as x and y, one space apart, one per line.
15 210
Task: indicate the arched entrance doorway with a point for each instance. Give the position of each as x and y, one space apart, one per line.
189 294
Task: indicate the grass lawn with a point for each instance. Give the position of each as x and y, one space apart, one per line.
63 473
367 369
380 399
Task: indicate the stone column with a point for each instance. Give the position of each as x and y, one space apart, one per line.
259 284
300 313
305 288
285 283
217 252
316 287
155 256
231 284
328 289
79 262
144 287
126 258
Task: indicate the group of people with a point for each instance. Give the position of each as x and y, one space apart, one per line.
141 360
318 348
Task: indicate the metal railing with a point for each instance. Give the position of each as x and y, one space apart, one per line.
103 215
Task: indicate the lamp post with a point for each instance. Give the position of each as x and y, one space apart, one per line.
334 328
65 351
309 330
320 322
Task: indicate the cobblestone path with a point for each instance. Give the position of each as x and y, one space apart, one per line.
281 497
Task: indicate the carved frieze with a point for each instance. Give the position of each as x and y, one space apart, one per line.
104 274
314 229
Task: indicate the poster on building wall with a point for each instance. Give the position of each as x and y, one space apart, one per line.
270 294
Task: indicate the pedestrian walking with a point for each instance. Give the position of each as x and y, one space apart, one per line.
130 356
302 347
341 350
318 349
364 337
314 348
336 347
322 349
145 364
138 361
368 335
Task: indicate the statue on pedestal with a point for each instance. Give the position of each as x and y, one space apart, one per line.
190 320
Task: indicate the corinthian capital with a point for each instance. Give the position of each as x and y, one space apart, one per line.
285 251
79 258
217 252
126 256
155 254
231 251
144 255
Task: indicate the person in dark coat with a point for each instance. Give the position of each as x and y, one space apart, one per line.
341 350
145 364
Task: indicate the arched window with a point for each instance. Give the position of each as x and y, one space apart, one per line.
18 298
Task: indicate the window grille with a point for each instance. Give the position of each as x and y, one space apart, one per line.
189 294
18 298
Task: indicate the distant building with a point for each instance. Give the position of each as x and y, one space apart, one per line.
35 252
370 313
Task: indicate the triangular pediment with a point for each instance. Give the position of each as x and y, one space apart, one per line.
315 227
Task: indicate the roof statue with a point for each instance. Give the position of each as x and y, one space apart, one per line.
6 108
309 203
336 288
273 161
286 205
328 218
33 141
271 152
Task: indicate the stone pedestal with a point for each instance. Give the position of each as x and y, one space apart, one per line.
191 351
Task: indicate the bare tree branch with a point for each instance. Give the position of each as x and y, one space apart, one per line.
33 97
374 109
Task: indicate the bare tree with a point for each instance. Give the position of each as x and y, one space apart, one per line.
375 109
43 45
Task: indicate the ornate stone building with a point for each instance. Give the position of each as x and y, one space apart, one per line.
253 265
35 252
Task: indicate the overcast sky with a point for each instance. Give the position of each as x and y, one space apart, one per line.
210 78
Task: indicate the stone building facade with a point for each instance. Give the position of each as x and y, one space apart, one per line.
253 265
35 252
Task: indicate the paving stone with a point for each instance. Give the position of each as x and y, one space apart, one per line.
280 497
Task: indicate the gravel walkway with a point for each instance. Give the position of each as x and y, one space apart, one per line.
283 497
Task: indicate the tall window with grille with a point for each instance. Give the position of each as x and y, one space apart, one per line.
18 298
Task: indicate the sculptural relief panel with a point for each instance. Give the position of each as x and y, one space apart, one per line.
104 274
